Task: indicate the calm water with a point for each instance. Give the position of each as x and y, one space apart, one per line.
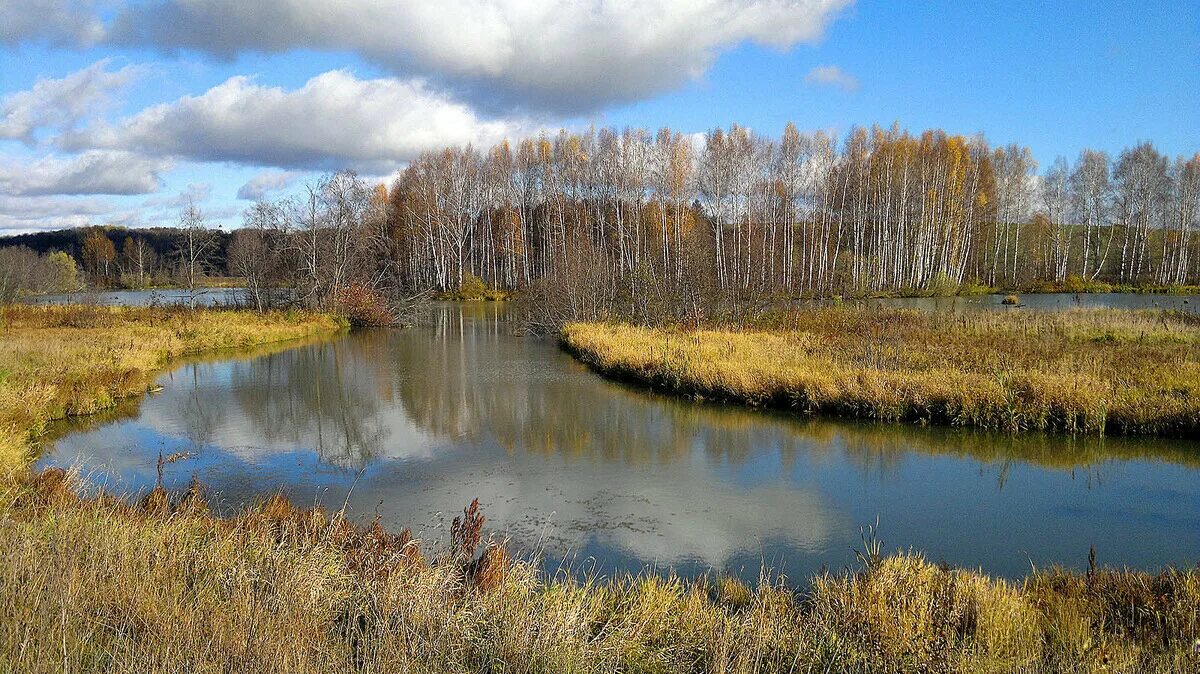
576 467
204 297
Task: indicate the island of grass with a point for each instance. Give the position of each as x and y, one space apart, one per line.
1077 371
161 584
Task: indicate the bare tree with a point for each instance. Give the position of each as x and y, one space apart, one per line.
195 245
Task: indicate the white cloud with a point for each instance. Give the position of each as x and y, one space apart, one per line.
61 103
563 56
831 76
265 183
560 55
93 172
335 120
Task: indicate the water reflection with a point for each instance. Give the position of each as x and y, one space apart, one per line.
415 423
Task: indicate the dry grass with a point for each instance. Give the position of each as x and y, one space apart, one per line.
1080 371
59 361
98 585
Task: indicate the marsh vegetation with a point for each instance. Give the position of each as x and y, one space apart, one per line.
1077 371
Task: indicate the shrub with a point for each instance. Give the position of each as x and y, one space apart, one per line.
1074 284
65 273
1011 301
974 287
472 288
363 307
941 285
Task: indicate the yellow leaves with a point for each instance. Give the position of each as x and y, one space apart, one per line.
379 196
575 149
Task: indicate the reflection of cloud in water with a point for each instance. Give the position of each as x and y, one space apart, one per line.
692 515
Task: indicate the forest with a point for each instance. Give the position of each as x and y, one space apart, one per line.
597 219
881 210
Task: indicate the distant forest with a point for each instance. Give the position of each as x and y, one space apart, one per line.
159 245
602 219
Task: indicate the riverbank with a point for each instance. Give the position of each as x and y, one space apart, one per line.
66 360
1077 371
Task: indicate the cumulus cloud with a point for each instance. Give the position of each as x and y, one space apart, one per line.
335 120
553 55
831 76
557 55
265 183
61 103
55 21
93 172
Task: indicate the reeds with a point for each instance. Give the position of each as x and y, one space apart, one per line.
1078 371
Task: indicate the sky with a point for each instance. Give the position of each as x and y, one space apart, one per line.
122 111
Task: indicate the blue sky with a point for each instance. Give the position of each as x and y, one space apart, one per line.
118 110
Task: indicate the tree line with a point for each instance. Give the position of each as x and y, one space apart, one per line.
22 270
879 210
588 219
120 257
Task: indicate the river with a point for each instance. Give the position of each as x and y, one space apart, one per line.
587 474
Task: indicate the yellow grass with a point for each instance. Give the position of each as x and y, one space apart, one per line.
1082 371
58 361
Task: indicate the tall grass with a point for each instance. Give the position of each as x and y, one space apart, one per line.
59 361
1079 371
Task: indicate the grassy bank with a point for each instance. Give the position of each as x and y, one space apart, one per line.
1080 371
102 586
58 361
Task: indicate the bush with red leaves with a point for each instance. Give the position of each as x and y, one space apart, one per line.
363 307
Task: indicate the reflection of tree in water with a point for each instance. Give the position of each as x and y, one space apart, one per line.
465 377
200 414
318 397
